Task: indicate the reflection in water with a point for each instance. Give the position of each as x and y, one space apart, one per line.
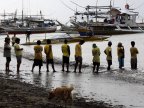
18 76
7 73
65 80
37 79
48 80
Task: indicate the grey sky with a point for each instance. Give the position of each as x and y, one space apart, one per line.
57 10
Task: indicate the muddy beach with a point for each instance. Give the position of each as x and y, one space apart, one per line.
16 94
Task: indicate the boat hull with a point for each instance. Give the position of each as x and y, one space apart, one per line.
32 30
115 32
97 30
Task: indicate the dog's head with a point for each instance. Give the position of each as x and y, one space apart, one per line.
71 88
51 95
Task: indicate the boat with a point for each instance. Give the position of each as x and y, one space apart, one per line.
25 24
107 20
66 29
60 39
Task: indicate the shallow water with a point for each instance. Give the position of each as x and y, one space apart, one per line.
117 87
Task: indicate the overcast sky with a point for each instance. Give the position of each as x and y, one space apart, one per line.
56 9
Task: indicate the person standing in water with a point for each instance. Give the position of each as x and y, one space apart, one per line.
134 52
108 52
38 56
66 54
96 58
18 52
78 55
49 55
121 55
28 33
13 39
7 53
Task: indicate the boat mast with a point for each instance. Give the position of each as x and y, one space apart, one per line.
110 8
4 15
96 9
87 8
113 3
29 8
22 12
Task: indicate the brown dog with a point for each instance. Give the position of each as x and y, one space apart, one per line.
61 93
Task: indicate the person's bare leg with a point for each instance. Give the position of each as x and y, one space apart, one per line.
63 67
80 65
18 67
6 69
33 67
67 67
8 66
53 67
94 67
97 68
76 64
39 69
47 66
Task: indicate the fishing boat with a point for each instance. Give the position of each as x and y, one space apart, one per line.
25 24
64 28
107 20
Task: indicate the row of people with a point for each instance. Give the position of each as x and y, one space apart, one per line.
66 54
78 55
120 54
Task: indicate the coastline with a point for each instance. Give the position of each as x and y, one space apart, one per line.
16 94
19 92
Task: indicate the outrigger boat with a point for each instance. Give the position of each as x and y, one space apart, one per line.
107 20
26 24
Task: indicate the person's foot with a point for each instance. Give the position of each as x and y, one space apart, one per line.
80 72
74 71
122 68
31 70
54 70
18 71
63 70
9 70
47 71
67 71
39 71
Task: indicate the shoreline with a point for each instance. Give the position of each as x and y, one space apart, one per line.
23 95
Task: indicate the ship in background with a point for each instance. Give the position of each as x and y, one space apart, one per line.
107 20
22 24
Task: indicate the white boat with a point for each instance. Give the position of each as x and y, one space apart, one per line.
107 20
24 24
